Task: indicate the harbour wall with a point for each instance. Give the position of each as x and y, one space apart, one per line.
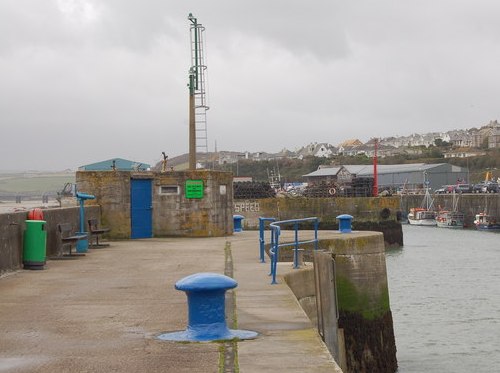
469 204
346 295
12 227
375 214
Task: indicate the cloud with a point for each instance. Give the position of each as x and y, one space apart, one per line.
91 80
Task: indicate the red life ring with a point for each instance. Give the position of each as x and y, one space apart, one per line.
35 214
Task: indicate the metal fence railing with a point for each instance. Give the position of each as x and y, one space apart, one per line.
276 245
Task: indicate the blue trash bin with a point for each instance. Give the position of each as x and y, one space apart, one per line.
237 220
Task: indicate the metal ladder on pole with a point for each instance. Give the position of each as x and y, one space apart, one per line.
199 69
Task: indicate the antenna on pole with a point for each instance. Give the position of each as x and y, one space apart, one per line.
198 105
375 173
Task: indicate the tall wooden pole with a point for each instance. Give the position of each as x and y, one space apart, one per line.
375 174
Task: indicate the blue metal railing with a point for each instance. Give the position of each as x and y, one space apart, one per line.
275 245
262 227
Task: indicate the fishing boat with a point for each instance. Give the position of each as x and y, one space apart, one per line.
451 219
486 222
423 215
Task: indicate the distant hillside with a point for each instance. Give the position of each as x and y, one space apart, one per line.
177 162
181 162
293 169
34 183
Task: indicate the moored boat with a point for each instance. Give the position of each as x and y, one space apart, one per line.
483 221
422 216
450 219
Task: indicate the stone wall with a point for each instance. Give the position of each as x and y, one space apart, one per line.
362 209
375 214
112 192
301 282
176 215
11 240
12 227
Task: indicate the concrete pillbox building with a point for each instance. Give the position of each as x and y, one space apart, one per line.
144 204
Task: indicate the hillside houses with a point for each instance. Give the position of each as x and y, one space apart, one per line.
463 143
460 139
414 140
321 150
488 135
463 153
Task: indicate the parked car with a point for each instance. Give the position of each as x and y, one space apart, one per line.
449 188
463 188
491 187
478 188
441 190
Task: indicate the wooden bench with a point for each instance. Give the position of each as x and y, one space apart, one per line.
96 231
69 239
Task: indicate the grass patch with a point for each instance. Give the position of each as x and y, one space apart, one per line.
36 184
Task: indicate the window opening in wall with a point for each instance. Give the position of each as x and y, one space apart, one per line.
169 189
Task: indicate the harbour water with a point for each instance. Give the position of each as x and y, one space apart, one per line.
444 289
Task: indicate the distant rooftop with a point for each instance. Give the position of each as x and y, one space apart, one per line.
118 164
367 170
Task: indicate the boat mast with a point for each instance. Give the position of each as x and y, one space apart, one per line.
428 201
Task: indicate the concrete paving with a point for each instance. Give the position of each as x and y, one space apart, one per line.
102 312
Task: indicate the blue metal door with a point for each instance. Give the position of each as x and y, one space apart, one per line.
141 208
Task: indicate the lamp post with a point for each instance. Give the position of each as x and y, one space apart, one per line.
375 174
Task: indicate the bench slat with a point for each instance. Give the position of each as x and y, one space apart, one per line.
68 238
96 231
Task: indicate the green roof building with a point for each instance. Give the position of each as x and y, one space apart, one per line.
118 164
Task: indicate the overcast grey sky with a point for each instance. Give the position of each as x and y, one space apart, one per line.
88 80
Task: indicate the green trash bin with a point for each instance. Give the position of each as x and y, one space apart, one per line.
35 244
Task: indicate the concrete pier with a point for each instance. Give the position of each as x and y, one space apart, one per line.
103 312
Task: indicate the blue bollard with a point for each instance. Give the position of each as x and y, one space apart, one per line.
237 222
345 222
206 310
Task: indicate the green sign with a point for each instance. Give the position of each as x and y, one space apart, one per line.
194 188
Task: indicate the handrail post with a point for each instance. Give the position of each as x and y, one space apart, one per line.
316 224
271 251
274 258
296 248
261 239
